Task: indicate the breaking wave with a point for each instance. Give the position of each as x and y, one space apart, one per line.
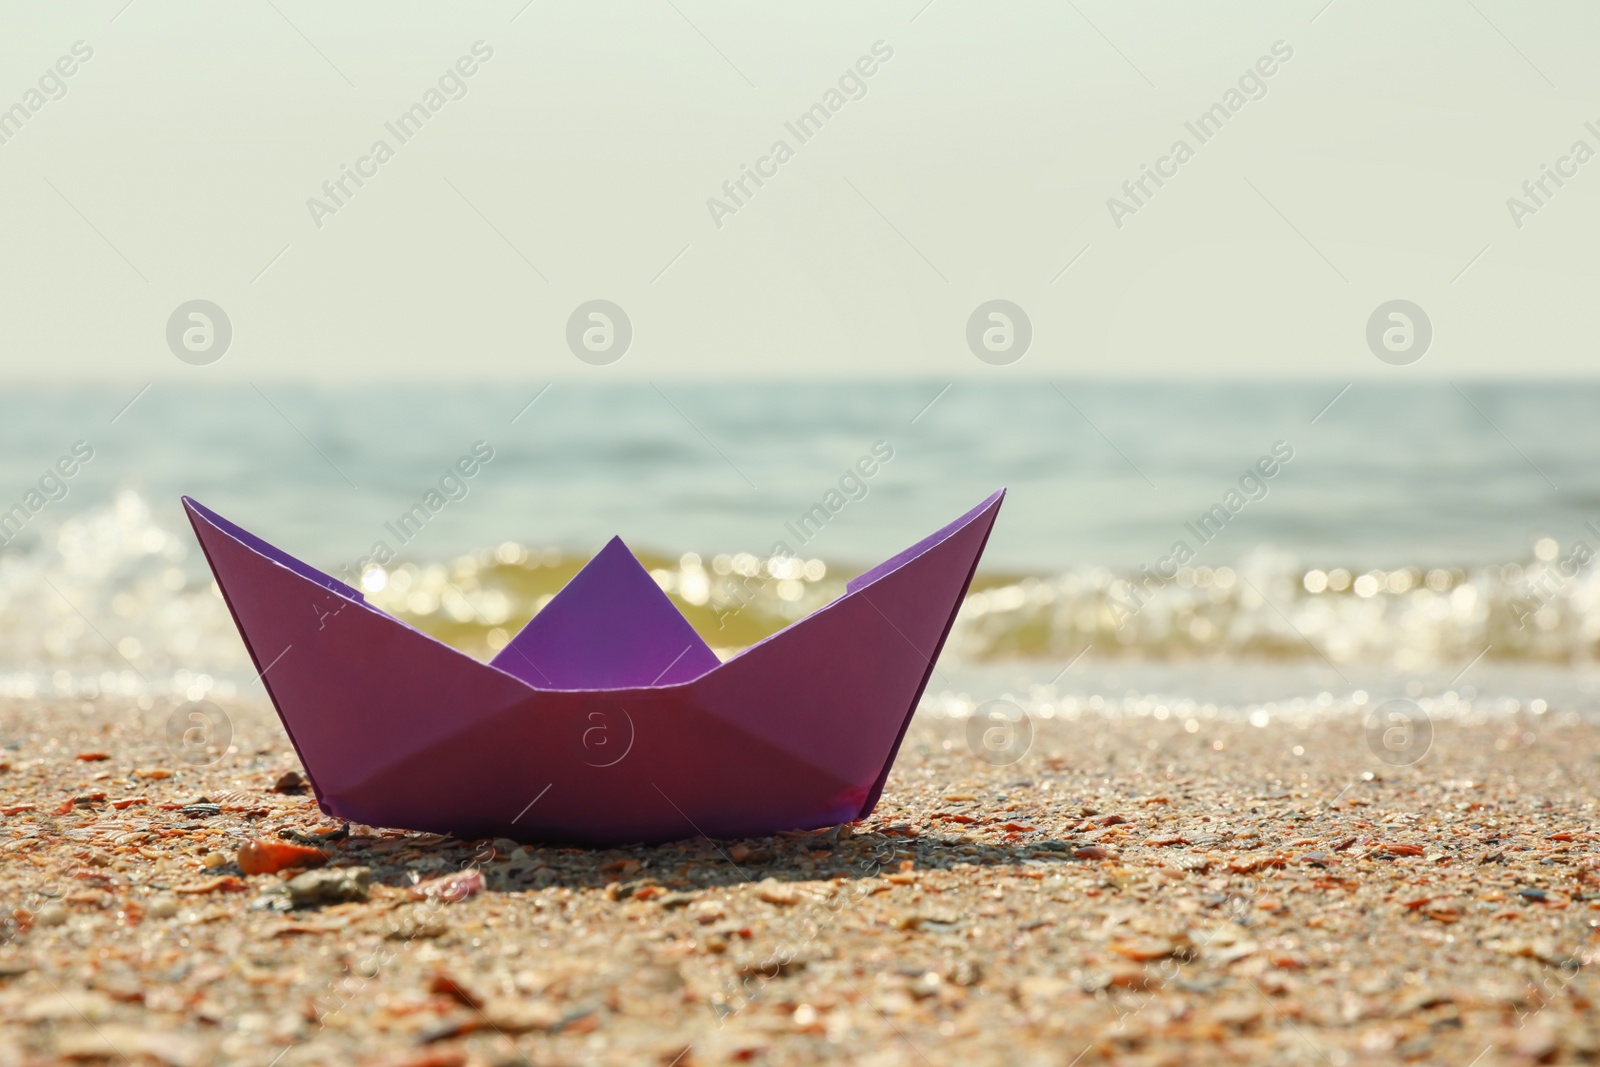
111 601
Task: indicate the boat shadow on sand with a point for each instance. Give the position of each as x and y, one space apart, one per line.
665 872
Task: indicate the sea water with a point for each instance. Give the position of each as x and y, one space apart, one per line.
1399 533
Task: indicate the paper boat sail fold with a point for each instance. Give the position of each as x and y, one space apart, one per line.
607 719
610 627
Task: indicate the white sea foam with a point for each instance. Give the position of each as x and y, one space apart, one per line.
115 601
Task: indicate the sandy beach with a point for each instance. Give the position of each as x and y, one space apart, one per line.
1127 892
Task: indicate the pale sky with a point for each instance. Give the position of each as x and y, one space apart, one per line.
976 163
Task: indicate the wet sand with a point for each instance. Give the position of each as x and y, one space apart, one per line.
1126 892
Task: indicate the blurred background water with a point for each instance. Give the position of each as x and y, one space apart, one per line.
1099 473
1410 529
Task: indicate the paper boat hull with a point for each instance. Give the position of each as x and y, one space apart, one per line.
396 729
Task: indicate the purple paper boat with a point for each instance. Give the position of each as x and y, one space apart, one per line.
607 719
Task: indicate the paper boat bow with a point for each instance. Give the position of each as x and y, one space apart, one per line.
606 719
